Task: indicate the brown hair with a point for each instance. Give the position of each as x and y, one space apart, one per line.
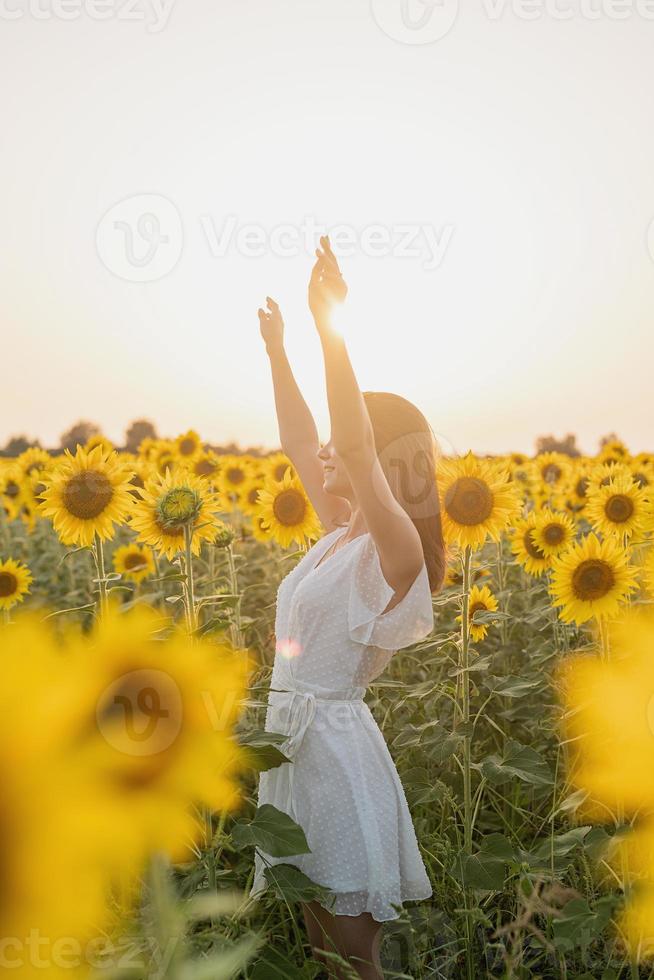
407 451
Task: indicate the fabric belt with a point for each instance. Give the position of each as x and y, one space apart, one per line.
301 709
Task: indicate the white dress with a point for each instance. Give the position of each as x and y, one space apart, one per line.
342 787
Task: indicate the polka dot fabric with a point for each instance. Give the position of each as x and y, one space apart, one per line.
333 639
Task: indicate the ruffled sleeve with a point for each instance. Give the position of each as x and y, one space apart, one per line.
410 620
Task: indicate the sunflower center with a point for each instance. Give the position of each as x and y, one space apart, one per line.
553 534
186 447
205 467
551 473
145 713
253 495
178 507
87 494
134 561
8 584
477 607
592 579
619 508
235 475
289 507
641 480
12 489
532 549
469 501
582 486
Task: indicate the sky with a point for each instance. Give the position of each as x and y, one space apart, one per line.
486 172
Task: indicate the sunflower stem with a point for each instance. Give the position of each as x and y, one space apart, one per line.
98 554
236 627
189 589
467 773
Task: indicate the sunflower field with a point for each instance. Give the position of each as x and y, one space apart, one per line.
137 599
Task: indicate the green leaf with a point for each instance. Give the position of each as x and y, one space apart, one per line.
479 871
519 762
561 845
420 787
577 926
517 687
275 964
272 831
293 885
264 757
225 965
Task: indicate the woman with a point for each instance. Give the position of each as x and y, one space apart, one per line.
361 593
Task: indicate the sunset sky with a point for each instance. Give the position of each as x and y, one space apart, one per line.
494 189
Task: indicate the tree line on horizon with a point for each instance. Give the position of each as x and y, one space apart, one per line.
141 429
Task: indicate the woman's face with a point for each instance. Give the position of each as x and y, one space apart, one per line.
336 480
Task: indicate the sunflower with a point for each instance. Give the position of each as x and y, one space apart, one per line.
574 494
170 746
477 500
276 465
34 460
614 450
286 510
553 533
235 472
249 498
162 455
206 466
98 439
619 508
134 732
647 572
42 786
170 503
133 562
260 532
526 551
481 600
592 579
85 495
552 469
188 446
11 489
601 474
15 581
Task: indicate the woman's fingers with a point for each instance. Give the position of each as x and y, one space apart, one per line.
272 305
330 259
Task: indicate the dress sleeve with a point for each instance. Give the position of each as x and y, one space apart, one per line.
410 620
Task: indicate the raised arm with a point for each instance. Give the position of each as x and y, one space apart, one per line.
395 536
297 429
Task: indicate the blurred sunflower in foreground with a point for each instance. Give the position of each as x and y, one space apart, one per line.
285 509
86 494
477 500
609 729
134 732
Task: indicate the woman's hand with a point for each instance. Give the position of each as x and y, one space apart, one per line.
326 286
271 324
